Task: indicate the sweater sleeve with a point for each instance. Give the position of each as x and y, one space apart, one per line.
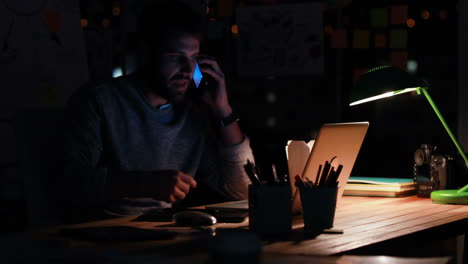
222 168
235 178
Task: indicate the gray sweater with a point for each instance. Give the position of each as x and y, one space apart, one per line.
115 128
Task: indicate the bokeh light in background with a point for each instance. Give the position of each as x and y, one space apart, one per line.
84 22
116 11
443 14
105 23
425 14
270 97
235 30
271 121
412 66
117 72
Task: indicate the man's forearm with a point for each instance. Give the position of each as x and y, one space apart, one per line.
231 134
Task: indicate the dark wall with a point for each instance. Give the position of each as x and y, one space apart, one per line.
302 103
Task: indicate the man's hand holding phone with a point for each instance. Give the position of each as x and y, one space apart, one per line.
214 93
215 96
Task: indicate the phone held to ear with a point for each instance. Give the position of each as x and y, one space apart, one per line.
197 75
201 81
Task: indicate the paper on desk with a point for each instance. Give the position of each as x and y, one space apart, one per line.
297 154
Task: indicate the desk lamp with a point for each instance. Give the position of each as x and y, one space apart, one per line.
386 81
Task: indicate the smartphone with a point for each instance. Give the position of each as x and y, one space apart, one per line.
197 76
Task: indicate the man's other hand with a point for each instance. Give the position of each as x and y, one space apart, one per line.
173 185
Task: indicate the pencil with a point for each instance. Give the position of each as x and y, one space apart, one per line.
318 175
325 171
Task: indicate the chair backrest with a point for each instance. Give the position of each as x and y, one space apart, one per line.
38 139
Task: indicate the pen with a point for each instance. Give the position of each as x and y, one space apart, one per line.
333 177
318 175
338 171
334 181
275 174
251 173
325 171
330 177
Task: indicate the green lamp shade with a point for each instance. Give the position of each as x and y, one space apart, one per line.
382 80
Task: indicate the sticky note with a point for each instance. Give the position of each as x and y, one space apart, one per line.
398 14
379 17
398 38
399 59
361 39
338 39
380 40
52 19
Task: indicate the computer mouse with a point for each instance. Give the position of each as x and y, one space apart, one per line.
193 218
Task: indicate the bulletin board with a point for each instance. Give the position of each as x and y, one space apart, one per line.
280 40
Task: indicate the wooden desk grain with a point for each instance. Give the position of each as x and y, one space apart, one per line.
365 221
370 220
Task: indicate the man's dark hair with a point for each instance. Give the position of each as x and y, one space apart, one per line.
167 18
159 22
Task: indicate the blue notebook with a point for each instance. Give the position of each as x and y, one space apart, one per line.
380 181
379 186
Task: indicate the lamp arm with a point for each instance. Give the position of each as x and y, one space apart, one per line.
447 128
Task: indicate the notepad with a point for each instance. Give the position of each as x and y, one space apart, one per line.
379 186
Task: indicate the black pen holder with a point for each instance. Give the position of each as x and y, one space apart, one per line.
270 209
318 207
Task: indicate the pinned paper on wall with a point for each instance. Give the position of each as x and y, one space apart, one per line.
399 14
399 59
357 73
361 39
380 40
280 40
339 39
398 38
379 17
52 19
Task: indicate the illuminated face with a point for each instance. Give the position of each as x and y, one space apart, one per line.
176 66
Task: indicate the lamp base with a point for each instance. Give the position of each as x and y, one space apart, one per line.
450 196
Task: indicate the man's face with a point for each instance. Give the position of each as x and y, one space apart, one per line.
176 66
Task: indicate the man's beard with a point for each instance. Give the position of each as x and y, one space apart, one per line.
168 90
174 94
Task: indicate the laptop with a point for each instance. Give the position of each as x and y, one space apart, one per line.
338 143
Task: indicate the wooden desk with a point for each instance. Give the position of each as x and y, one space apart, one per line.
367 223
